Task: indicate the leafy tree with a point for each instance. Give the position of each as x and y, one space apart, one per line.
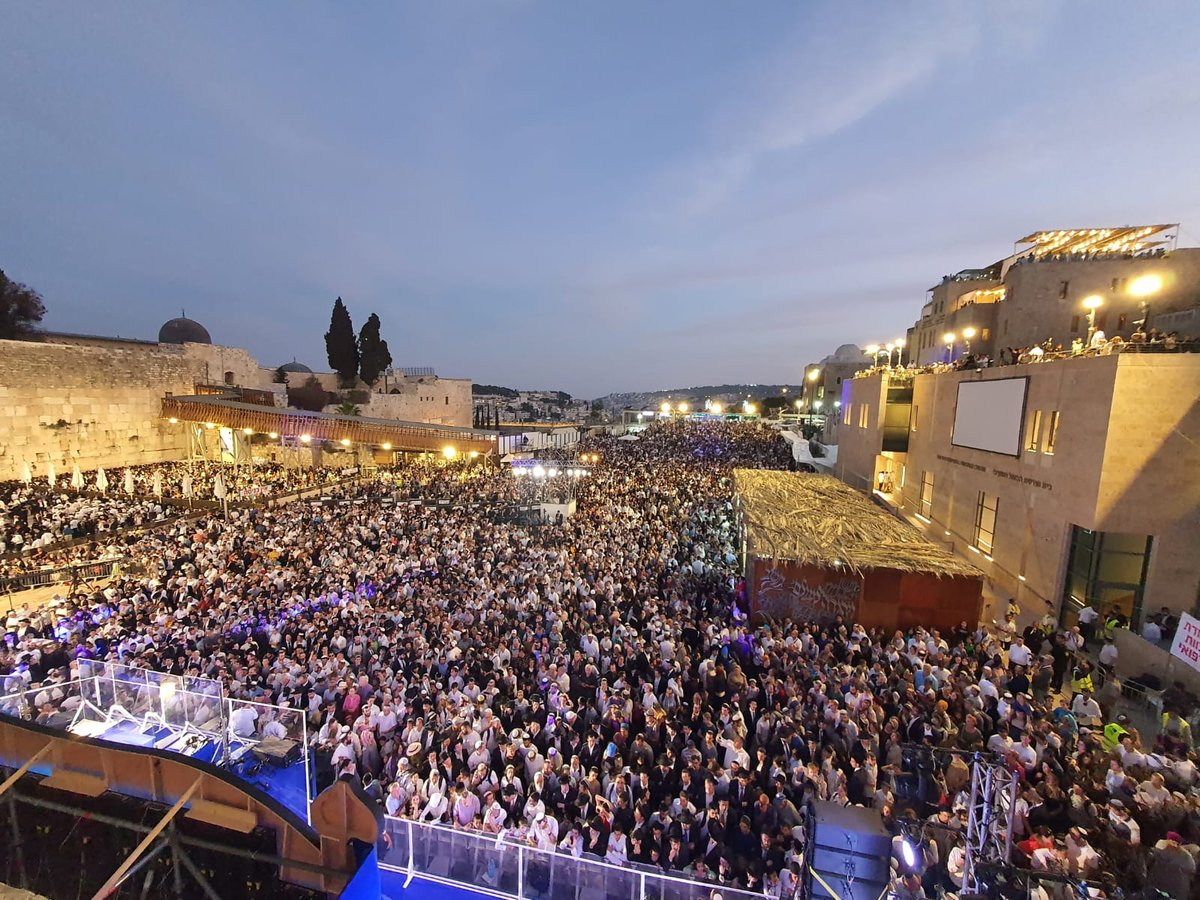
309 396
348 409
280 376
21 308
341 345
373 350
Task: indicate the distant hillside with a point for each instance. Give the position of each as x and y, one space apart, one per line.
492 390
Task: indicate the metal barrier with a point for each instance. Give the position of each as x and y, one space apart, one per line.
44 577
507 865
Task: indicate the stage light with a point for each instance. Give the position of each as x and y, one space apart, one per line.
948 337
968 333
909 852
474 454
449 452
345 442
306 438
716 409
273 435
539 472
1145 285
553 473
683 407
387 446
666 407
173 420
1095 301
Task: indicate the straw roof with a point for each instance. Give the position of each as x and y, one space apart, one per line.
818 520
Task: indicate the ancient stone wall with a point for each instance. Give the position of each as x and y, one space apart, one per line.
89 406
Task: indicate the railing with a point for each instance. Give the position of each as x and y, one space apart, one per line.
504 865
46 577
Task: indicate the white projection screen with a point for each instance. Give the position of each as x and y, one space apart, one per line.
988 415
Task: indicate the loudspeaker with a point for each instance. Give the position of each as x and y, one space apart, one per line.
849 842
277 751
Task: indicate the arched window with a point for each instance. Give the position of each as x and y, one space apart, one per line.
229 378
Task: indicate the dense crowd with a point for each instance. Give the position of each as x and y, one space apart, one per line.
597 688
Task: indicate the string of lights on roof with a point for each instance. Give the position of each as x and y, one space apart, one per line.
1092 241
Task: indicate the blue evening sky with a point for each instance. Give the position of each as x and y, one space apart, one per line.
588 196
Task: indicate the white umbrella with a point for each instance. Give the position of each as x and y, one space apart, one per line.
187 486
157 483
219 490
101 481
26 473
77 478
129 481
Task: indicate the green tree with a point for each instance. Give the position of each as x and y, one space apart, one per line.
347 409
341 345
309 396
373 350
21 308
280 376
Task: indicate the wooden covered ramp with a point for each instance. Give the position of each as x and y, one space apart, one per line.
310 427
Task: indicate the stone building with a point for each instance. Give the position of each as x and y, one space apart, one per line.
88 400
1098 501
821 392
1038 293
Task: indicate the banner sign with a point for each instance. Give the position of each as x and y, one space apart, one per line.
1187 641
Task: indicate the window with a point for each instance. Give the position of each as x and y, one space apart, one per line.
1074 324
447 401
1105 569
1052 433
846 417
839 381
1101 319
229 378
985 521
864 415
985 334
912 420
821 392
1033 432
926 493
1063 287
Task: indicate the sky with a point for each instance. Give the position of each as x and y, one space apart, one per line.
588 197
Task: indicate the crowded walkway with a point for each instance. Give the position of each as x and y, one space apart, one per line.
599 687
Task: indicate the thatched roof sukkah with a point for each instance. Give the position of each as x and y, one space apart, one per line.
817 520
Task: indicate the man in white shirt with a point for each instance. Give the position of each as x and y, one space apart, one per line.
1151 631
1108 654
1086 709
242 719
1018 653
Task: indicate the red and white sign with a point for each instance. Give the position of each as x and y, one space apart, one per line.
1187 641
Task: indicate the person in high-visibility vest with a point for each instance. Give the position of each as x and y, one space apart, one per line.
1081 679
1113 733
1176 736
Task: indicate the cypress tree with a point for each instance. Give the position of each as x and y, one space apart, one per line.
374 351
341 345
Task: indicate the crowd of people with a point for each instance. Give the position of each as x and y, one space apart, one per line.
598 687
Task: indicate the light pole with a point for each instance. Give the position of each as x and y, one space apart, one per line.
889 348
1091 304
1145 286
899 352
873 350
948 340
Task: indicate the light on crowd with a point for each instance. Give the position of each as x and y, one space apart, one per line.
539 472
449 452
345 442
683 407
1094 301
1145 285
306 438
474 454
553 473
273 435
173 420
716 409
666 407
387 446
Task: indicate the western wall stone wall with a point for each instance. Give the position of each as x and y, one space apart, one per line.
89 405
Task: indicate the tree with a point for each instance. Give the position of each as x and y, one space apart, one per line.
21 308
309 396
280 376
348 409
341 345
373 350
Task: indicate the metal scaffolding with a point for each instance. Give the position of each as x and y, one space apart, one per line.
993 802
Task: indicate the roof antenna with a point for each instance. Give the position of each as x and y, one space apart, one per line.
182 313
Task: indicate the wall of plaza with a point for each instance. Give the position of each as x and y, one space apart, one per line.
407 398
89 404
1122 460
